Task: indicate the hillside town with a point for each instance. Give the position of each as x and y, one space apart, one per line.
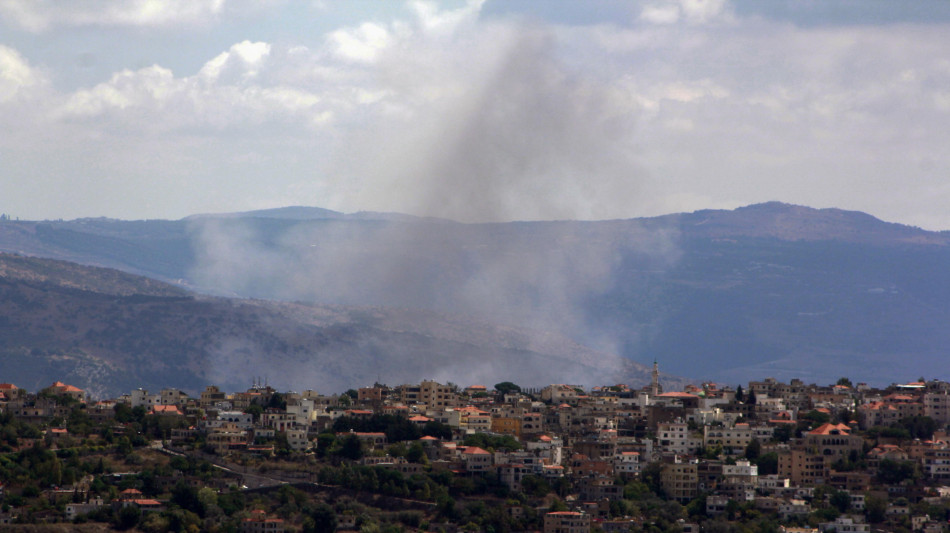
769 456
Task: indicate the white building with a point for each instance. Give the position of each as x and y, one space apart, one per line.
674 437
141 398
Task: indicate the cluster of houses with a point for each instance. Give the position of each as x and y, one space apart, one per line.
698 441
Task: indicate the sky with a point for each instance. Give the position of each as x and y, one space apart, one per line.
474 110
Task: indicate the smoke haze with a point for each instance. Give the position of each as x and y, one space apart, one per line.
519 138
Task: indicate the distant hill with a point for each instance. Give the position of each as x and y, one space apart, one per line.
728 295
109 332
296 212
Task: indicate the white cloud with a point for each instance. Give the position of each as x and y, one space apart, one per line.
690 11
127 89
226 92
690 103
16 74
43 15
661 14
244 57
362 44
437 20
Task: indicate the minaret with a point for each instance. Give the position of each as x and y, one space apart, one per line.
655 385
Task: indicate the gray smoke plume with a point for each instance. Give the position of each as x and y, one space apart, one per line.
524 140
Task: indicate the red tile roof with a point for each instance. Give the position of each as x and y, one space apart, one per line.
675 394
474 450
831 429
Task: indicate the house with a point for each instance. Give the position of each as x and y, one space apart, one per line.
740 480
238 418
560 393
78 509
793 507
226 437
259 522
844 524
566 522
167 410
141 398
372 440
627 464
833 440
211 397
59 388
475 458
173 397
675 438
297 439
511 474
11 392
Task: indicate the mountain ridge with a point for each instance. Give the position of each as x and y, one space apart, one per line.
713 294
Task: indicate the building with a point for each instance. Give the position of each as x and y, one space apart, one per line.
740 480
59 388
833 440
680 480
259 522
674 437
803 468
844 524
566 522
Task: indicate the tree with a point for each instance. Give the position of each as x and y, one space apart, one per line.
876 508
753 449
351 448
767 463
207 497
416 454
844 381
783 433
919 427
845 416
325 443
128 517
841 500
535 486
124 448
651 475
186 497
255 410
817 417
277 401
892 472
506 387
740 394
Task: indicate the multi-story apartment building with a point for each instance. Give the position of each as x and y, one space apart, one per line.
210 397
679 480
735 439
740 480
432 394
802 467
674 437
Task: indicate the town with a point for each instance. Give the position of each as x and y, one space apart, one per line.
770 456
